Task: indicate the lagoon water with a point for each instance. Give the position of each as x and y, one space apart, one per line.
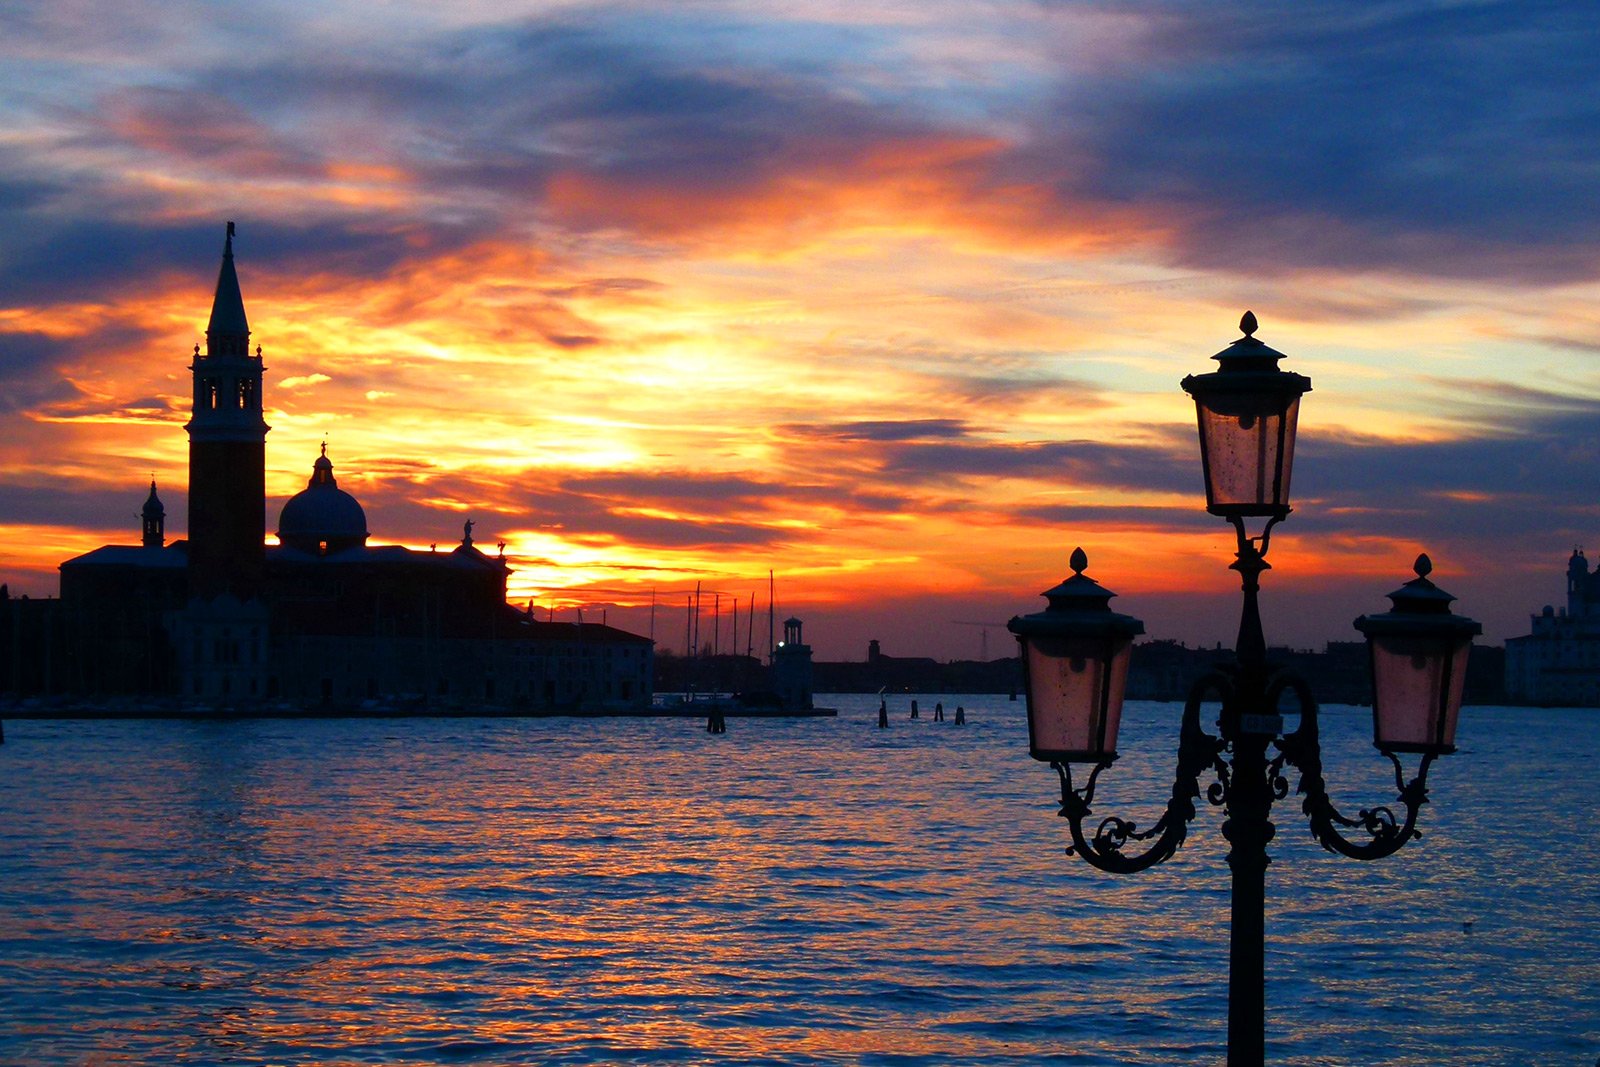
555 891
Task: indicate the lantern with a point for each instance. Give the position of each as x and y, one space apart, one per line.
1075 665
1248 410
1418 651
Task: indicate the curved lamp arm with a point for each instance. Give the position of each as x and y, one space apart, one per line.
1197 750
1387 834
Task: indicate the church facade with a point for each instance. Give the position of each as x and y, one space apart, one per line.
322 619
1558 662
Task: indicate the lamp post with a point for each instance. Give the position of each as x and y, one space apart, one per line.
1075 659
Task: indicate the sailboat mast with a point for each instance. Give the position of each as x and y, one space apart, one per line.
771 647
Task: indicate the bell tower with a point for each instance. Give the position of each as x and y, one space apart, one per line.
1577 584
153 520
227 450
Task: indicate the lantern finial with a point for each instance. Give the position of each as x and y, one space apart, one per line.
1079 561
1423 566
1248 323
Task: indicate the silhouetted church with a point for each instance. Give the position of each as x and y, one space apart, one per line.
320 619
1558 662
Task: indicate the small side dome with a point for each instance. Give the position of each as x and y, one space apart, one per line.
322 518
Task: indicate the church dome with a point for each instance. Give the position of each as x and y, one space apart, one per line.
322 517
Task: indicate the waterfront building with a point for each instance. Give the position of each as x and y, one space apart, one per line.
1558 661
791 668
322 619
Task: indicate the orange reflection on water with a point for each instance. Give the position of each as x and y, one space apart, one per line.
407 891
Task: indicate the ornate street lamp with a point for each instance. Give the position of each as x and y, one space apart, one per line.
1419 665
1248 411
1075 664
1247 414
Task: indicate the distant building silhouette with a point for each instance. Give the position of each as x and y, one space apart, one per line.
915 674
1558 662
322 619
791 668
1160 670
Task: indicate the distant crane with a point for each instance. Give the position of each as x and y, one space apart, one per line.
983 638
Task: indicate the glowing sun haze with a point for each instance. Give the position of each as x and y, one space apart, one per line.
891 299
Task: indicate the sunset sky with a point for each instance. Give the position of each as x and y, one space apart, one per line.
889 298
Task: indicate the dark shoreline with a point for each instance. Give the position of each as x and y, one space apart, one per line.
67 709
146 711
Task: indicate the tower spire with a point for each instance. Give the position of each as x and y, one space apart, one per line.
228 332
227 458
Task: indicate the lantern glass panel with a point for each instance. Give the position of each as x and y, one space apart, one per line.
1417 687
1249 451
1075 687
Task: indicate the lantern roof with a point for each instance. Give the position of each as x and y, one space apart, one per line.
1249 364
1248 352
1079 607
1419 607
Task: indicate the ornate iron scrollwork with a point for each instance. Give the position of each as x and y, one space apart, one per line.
1104 846
1197 750
1388 833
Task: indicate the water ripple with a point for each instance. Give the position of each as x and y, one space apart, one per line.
791 892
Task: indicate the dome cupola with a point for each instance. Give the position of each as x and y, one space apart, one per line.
322 518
